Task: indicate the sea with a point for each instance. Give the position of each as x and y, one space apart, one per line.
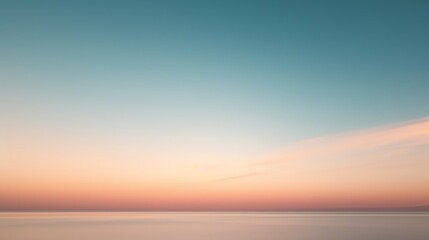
213 225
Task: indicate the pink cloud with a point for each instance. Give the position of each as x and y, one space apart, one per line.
410 134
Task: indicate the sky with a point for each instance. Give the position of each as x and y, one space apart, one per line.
213 105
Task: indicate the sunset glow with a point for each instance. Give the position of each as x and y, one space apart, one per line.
145 106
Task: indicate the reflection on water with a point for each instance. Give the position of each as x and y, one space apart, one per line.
224 226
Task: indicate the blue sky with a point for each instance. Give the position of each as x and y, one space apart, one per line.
233 74
168 105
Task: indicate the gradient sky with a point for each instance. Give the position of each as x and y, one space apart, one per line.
213 105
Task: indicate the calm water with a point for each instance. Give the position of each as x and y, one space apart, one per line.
224 226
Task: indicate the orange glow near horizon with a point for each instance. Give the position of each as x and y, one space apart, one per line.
377 168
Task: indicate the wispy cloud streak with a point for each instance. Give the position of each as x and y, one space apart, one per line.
410 134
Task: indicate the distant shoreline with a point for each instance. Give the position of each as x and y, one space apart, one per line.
242 212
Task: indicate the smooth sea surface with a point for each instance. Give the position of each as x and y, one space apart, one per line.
219 225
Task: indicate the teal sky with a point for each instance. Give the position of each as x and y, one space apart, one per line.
213 105
239 76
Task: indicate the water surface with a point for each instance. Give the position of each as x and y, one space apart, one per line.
223 226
